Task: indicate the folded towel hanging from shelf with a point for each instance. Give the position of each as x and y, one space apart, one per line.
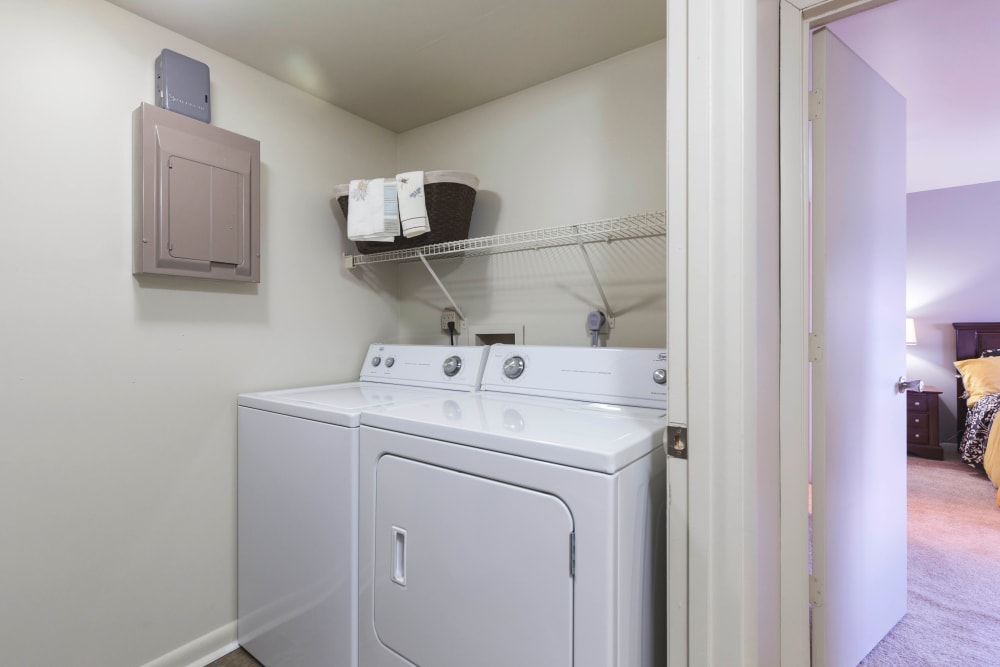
373 214
412 206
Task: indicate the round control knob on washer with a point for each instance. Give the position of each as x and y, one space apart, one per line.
376 361
390 361
513 367
452 365
660 376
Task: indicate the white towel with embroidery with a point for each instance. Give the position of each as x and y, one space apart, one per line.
372 211
412 208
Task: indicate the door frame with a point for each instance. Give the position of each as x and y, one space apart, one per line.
723 322
797 21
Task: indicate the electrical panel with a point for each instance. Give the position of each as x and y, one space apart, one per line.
197 198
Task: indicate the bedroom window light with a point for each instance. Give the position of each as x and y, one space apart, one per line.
911 332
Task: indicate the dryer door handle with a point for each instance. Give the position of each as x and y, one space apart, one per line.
399 555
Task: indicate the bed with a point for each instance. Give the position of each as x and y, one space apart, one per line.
977 359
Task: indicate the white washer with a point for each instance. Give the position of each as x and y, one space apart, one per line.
513 527
297 499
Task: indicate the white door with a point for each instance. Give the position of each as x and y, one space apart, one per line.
859 292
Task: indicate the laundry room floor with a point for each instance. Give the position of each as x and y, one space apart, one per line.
238 658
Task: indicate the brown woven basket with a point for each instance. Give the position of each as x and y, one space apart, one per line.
449 197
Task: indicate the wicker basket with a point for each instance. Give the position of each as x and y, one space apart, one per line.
449 196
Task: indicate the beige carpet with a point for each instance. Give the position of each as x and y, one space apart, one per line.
953 616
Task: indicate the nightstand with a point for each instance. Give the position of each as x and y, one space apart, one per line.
922 424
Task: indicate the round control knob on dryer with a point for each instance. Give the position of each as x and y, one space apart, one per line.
452 365
513 367
376 361
660 376
390 361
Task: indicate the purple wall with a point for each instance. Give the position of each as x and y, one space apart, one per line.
953 242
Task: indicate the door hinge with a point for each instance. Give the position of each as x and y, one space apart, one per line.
815 347
815 593
675 441
572 554
815 104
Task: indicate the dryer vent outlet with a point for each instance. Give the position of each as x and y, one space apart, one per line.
449 315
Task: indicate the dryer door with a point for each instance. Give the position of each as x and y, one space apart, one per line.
470 571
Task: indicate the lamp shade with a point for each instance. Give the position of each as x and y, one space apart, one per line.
911 332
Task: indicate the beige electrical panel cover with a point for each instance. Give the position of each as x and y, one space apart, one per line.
197 198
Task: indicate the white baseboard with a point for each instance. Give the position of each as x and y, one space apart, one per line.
201 651
216 654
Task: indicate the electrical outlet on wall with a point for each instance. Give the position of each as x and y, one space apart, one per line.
449 315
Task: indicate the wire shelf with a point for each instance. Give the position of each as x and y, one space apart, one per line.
641 225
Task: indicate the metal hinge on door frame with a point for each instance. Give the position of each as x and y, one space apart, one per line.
815 347
675 441
815 593
572 554
815 104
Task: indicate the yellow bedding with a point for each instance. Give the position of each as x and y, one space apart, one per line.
991 457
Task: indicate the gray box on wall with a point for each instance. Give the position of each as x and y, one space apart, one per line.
182 85
196 199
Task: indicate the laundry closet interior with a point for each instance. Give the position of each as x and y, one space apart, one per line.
118 470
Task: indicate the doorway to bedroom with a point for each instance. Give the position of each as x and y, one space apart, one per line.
950 188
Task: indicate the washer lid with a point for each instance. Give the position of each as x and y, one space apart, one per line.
593 436
390 374
333 403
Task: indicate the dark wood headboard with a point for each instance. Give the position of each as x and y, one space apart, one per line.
971 338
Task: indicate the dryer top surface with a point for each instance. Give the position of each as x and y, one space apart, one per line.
593 436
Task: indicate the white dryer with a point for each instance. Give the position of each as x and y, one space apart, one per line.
297 498
522 525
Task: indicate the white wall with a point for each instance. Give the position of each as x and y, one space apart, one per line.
117 435
952 241
586 146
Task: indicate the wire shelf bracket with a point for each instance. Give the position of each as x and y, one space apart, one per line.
609 314
440 284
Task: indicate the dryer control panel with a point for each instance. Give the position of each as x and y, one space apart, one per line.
619 376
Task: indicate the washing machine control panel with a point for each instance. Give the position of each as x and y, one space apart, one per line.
458 367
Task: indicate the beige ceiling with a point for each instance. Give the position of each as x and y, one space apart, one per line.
402 64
